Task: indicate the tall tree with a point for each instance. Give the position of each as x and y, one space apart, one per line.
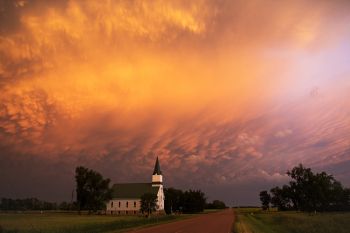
280 197
302 185
148 203
308 191
265 199
173 200
92 189
193 201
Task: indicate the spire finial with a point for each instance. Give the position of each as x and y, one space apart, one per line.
156 170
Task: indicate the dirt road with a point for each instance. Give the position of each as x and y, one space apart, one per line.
219 222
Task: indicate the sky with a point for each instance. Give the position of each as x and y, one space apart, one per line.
228 94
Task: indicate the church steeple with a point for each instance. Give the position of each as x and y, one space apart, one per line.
157 170
157 178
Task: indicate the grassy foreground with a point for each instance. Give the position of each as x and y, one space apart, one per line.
257 221
69 223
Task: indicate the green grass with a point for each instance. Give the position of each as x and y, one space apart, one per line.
257 221
69 223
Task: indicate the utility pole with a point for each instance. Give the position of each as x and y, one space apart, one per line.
171 207
72 200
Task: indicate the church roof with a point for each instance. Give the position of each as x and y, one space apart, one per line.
132 190
157 170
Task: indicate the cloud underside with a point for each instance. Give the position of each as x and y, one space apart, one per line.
225 93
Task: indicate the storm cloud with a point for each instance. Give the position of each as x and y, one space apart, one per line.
229 94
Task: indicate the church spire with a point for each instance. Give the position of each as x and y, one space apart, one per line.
157 168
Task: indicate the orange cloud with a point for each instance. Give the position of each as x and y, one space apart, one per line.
205 85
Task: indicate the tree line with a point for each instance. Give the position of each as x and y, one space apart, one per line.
33 204
93 191
216 204
308 191
190 201
178 201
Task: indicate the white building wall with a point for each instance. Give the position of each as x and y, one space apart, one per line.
123 206
132 206
160 198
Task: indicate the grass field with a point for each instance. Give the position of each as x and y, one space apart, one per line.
256 221
69 223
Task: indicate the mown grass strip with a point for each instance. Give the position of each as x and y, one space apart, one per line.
112 226
291 222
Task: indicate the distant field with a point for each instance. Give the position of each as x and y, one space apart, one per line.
69 223
256 221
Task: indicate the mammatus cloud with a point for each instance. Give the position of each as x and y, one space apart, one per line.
227 94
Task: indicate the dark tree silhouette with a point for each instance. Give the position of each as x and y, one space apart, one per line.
26 204
280 197
265 199
216 204
92 189
148 203
308 191
173 200
191 201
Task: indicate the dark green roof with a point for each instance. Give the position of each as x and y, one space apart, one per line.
133 190
157 170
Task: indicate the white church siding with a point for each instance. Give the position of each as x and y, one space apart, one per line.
160 199
124 206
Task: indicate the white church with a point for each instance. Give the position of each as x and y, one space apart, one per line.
126 197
